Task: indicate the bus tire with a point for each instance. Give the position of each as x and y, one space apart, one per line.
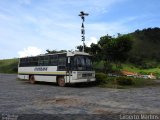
61 81
31 79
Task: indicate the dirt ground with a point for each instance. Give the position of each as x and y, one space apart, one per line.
20 97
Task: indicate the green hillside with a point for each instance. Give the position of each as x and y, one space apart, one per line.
8 66
146 47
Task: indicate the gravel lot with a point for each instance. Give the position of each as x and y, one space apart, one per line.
20 97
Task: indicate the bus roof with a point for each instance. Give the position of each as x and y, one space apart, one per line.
76 53
67 53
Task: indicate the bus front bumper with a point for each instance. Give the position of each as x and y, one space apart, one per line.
83 80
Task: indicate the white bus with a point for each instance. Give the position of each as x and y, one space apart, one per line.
62 68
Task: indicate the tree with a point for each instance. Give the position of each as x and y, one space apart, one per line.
95 49
110 50
101 53
104 40
116 50
86 48
80 48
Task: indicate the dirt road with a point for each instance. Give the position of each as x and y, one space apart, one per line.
20 97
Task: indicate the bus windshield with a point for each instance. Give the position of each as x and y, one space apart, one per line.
81 63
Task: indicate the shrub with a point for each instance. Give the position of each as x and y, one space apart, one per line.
124 81
101 78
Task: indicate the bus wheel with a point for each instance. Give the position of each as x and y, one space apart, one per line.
61 81
32 80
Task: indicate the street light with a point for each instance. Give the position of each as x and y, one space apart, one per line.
82 15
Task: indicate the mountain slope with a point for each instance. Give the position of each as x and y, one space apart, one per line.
146 46
8 66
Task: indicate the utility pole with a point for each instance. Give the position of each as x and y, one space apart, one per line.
82 15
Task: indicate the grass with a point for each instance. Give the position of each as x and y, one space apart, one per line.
131 68
137 83
9 65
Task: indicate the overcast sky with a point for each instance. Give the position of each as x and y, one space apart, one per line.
29 27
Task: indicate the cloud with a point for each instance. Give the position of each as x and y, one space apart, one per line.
30 51
91 40
50 27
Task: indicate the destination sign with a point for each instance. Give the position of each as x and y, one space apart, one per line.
40 68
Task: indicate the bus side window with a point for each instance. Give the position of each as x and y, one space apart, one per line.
32 61
43 61
35 61
40 61
46 61
23 62
53 60
62 62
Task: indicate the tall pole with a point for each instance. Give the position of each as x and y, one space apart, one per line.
82 15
